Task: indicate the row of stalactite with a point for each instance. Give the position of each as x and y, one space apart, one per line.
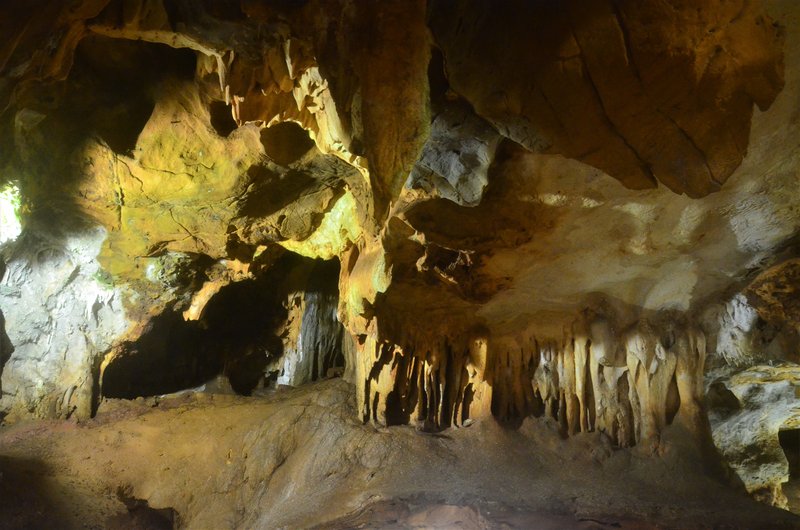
437 386
628 385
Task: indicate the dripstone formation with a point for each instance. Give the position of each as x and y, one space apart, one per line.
583 211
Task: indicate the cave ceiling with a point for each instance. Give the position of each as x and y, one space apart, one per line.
478 169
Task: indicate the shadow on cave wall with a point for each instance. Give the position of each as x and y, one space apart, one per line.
242 333
6 347
30 497
27 498
790 443
109 95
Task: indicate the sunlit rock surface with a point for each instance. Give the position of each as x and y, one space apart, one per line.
747 428
61 313
584 212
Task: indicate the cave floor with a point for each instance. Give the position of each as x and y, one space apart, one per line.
299 458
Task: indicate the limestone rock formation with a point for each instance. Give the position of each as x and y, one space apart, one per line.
774 296
585 212
616 84
58 305
747 428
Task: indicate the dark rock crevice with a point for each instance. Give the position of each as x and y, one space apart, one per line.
281 324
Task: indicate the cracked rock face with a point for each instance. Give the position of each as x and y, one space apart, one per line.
645 115
747 428
572 210
59 315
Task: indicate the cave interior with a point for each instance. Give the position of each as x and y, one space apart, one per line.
399 264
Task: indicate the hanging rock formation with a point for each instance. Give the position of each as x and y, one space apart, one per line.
629 388
559 209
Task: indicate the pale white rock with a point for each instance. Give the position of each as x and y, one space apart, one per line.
455 160
746 431
735 337
61 315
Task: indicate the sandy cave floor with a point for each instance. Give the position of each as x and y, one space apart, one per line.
299 459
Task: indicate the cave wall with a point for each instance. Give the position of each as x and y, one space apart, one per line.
752 385
645 114
243 334
555 209
61 315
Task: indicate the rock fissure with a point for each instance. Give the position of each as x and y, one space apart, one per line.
643 165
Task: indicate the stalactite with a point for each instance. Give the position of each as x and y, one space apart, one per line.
431 383
569 402
479 403
580 345
628 384
691 353
605 370
650 369
545 379
514 367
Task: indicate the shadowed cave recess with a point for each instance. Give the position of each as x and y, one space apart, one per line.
399 264
278 327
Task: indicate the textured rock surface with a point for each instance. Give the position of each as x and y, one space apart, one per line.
455 160
774 294
495 231
765 401
616 84
57 306
552 209
293 459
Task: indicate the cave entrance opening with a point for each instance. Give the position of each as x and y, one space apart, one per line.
790 443
279 328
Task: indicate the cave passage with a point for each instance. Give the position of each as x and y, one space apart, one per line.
221 118
286 142
790 443
281 326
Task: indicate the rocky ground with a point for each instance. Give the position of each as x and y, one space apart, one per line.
299 459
